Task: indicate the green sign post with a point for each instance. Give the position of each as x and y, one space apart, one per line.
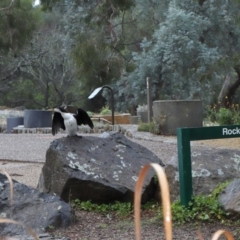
184 136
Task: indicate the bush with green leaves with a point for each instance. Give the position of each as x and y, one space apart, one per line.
121 209
224 116
90 114
202 208
151 127
229 116
105 111
211 113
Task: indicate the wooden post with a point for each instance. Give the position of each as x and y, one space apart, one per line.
149 99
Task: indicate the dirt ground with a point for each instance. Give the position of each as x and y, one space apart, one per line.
99 226
232 143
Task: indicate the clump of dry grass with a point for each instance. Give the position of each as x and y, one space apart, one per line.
167 217
10 221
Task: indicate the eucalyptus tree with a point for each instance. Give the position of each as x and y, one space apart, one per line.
188 48
103 34
224 34
189 55
94 39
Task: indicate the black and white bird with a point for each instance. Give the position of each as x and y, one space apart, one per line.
69 121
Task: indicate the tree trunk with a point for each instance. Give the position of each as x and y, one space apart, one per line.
46 96
231 91
224 90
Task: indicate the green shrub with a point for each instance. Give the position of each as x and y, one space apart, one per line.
201 208
105 111
90 114
122 209
143 127
151 127
225 116
211 113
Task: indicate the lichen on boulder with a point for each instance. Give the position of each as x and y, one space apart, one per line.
100 169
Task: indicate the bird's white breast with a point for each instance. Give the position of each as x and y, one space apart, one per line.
70 123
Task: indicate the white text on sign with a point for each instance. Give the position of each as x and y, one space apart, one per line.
227 131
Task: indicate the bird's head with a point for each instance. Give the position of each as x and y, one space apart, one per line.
60 109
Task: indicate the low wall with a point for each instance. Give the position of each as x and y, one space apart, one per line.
118 119
173 114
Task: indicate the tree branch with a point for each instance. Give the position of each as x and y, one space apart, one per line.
7 8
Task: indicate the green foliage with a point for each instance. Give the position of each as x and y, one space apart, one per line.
186 47
17 23
105 111
183 56
90 114
23 92
146 127
151 127
143 127
48 79
122 209
219 189
211 113
224 116
201 208
50 227
102 37
48 4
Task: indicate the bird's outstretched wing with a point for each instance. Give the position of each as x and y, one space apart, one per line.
57 123
83 118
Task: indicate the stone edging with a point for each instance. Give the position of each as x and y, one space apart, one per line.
82 129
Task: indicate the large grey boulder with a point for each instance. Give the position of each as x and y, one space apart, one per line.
210 167
101 169
230 197
32 208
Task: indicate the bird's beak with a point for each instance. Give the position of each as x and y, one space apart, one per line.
56 110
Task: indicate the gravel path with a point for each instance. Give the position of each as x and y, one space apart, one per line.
24 147
22 156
